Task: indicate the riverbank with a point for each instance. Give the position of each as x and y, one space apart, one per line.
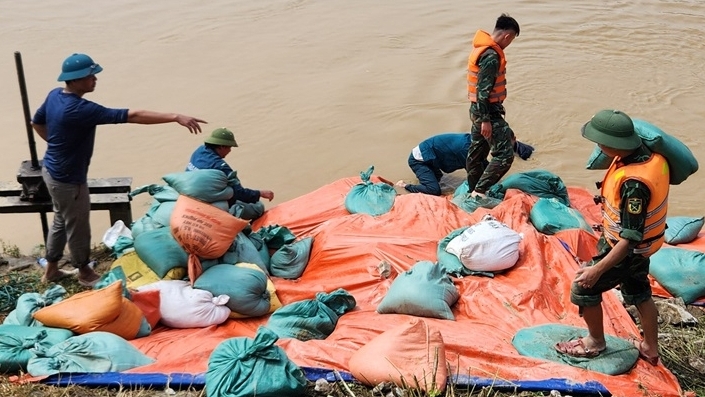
682 343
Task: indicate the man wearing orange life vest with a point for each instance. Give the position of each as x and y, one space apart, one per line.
634 199
487 89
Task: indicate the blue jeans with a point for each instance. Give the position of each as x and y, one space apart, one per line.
429 177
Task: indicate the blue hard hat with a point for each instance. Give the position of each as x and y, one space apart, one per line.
78 66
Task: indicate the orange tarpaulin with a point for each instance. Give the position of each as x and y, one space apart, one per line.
488 314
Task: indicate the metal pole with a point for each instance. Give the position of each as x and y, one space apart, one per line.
25 107
30 132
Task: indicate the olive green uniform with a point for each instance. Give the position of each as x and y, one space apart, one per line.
480 178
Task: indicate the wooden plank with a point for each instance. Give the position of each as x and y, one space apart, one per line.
101 201
95 185
117 203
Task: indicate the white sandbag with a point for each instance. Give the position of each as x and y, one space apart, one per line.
182 306
487 246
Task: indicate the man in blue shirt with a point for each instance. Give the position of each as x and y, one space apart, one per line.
444 153
67 122
210 156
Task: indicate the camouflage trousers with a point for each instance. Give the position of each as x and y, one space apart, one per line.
500 146
631 274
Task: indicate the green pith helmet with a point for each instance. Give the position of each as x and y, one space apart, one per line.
613 129
78 66
221 137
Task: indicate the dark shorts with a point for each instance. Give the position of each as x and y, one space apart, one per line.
631 275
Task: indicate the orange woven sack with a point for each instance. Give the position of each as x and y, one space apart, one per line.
86 311
204 231
127 324
411 355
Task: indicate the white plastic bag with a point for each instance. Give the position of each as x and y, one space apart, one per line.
111 235
487 246
182 306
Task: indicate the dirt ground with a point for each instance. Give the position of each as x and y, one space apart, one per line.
682 342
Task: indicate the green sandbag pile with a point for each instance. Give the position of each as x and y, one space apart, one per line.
92 352
30 302
16 342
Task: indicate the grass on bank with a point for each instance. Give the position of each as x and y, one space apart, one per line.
682 350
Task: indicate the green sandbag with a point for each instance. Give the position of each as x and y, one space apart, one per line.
160 251
247 288
539 183
461 190
95 351
247 211
123 245
112 276
550 216
539 341
275 236
143 224
311 318
259 242
161 212
17 340
683 229
450 263
30 302
470 204
425 290
145 329
370 198
290 260
206 185
246 251
680 271
681 161
161 193
244 367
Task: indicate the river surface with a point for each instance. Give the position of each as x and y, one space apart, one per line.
317 90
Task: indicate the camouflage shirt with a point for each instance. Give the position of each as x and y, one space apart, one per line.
483 110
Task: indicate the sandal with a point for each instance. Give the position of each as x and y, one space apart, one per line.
89 284
653 360
577 348
62 274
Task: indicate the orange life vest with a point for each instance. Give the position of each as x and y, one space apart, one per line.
480 44
655 175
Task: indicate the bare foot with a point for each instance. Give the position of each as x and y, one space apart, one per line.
649 355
